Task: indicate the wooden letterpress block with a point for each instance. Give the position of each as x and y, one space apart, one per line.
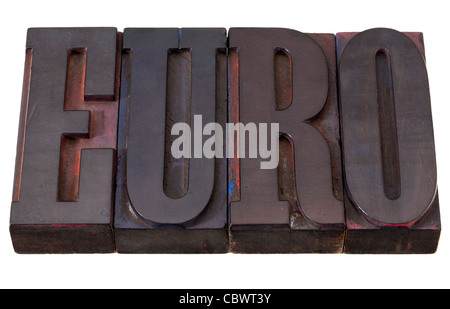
284 77
391 198
166 203
63 188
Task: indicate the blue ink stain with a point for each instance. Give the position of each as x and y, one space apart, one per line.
230 188
243 84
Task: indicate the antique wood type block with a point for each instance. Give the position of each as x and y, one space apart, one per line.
391 197
166 204
286 77
65 166
355 173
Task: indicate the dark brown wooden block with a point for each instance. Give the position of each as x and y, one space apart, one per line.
165 204
286 77
391 195
63 187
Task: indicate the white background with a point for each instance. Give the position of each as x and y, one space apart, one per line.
224 271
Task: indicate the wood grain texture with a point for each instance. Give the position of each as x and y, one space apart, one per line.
295 207
66 192
388 143
146 218
356 172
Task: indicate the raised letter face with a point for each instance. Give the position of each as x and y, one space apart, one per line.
170 77
388 144
283 76
63 184
225 143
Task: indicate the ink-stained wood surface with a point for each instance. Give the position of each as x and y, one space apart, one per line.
388 144
355 174
286 77
164 204
63 187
